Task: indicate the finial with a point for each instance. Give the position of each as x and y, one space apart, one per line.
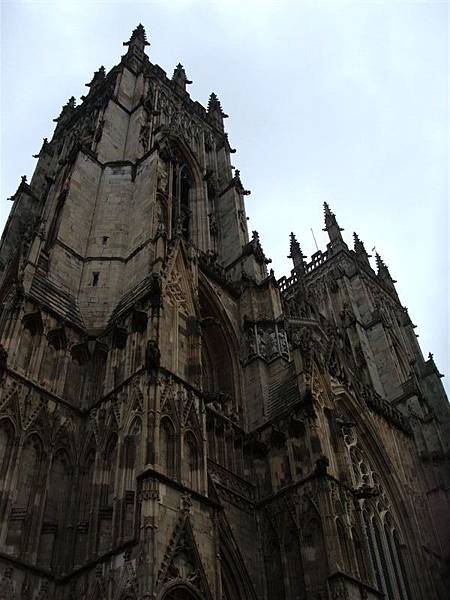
179 77
238 183
97 78
359 248
330 218
138 36
66 111
383 271
214 105
331 226
379 262
296 253
215 110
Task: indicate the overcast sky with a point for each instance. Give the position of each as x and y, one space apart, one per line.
344 102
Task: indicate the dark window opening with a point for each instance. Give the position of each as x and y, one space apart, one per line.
182 184
95 277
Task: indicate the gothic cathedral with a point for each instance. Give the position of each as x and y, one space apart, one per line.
175 422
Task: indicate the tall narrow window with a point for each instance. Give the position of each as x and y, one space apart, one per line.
131 461
132 447
373 556
26 489
182 184
167 447
392 557
382 555
109 472
192 461
105 520
56 504
85 504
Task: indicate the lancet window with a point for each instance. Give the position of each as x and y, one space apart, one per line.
28 476
56 506
386 553
167 448
181 197
192 460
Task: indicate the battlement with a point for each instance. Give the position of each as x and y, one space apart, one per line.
317 260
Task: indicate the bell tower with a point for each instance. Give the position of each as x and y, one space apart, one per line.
175 422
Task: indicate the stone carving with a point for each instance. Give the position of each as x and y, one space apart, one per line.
152 358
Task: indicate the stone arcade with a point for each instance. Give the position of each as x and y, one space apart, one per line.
175 422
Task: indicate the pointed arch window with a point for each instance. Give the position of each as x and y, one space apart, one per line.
105 520
192 460
182 197
132 449
85 504
26 489
372 546
131 461
381 550
167 447
109 472
56 506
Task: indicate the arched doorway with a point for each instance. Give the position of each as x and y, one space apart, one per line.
181 592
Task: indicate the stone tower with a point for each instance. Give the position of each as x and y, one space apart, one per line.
175 422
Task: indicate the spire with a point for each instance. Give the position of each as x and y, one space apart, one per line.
332 227
138 37
179 77
136 45
296 254
360 251
383 272
215 111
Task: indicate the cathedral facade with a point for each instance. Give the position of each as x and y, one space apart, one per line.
175 422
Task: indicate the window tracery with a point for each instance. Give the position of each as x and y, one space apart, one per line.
378 523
